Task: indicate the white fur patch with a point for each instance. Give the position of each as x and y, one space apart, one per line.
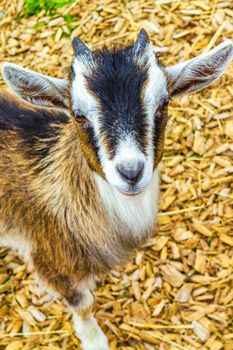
155 90
156 87
89 332
82 100
138 212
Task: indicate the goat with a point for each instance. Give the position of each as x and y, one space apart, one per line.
79 183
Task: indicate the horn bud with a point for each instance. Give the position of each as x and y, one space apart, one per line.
79 48
141 42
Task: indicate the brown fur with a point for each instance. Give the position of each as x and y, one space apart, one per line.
88 152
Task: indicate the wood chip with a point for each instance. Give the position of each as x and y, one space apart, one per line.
201 332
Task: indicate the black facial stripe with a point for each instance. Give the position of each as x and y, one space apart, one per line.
160 121
117 82
89 130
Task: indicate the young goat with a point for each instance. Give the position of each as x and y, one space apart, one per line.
79 184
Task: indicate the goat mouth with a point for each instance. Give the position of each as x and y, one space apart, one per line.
130 194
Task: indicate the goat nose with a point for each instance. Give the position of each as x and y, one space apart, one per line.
131 171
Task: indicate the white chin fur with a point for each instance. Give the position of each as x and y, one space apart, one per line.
136 212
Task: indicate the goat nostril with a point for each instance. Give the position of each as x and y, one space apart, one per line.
131 172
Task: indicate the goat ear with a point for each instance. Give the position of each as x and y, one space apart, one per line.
201 71
35 88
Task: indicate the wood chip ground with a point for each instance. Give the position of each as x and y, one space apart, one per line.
176 292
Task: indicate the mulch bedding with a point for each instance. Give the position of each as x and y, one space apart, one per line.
176 292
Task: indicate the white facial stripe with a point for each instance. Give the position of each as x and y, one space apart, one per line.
128 149
155 90
81 98
156 87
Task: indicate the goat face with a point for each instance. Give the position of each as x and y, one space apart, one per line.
119 100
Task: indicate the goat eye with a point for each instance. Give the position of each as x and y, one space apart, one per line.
161 109
79 117
159 113
82 120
